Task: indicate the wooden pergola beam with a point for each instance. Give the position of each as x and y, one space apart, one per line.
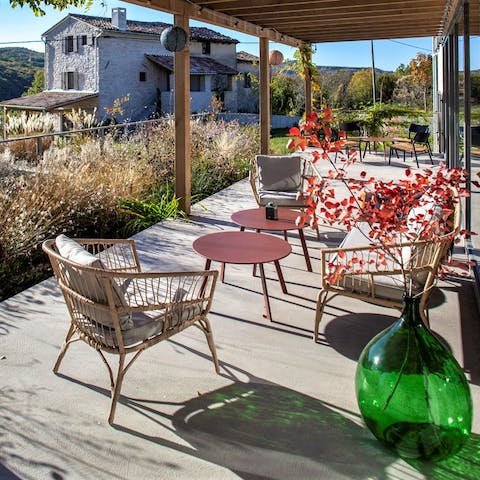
182 120
204 14
264 72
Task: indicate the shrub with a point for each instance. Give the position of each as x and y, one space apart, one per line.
157 207
69 192
78 188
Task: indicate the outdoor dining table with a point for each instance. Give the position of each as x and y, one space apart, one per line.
255 218
245 248
375 140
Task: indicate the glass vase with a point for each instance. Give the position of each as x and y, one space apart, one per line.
411 391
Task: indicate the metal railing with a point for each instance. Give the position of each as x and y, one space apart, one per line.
99 131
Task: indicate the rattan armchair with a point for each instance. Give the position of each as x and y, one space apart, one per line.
383 284
278 179
116 308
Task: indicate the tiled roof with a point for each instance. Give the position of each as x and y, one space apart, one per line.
200 34
48 100
246 57
198 65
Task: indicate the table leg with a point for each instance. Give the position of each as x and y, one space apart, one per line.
285 235
222 273
208 263
305 250
280 276
265 292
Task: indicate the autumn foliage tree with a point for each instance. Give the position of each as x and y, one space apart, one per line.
421 72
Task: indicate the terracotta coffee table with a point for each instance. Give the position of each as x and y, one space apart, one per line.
245 248
255 218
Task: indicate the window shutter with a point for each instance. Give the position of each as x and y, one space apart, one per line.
75 80
75 44
64 80
64 44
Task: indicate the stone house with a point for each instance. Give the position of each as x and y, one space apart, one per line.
116 58
247 91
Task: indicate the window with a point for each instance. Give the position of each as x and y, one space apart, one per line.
84 39
247 80
69 44
70 80
206 48
197 83
143 76
221 83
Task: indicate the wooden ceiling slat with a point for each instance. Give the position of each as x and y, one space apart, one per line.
382 17
314 14
240 7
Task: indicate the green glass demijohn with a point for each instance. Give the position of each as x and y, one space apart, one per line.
411 391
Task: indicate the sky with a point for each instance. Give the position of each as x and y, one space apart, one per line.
19 26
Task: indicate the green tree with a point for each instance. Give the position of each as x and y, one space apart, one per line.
475 81
385 86
359 89
38 84
421 71
334 84
36 5
287 94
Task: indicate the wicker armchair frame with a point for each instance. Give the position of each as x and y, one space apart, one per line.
428 258
149 293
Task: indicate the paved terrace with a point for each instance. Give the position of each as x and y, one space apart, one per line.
283 407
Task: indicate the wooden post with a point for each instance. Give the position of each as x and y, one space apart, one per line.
182 120
4 133
264 97
308 93
308 82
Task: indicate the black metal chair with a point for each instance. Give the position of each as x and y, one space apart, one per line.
418 144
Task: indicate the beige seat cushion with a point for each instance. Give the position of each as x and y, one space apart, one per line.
378 285
287 199
88 284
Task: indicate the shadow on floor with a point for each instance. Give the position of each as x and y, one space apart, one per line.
261 430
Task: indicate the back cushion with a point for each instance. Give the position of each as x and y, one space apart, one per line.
87 283
279 172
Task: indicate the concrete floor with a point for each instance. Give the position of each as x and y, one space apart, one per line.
283 406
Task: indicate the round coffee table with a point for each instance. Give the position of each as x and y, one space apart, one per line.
245 248
255 218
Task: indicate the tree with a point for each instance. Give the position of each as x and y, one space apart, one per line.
287 94
407 92
334 84
36 5
385 86
475 80
38 84
360 88
421 71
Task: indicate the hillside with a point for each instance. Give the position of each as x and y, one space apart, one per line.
17 68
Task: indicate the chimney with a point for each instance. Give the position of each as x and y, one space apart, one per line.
119 18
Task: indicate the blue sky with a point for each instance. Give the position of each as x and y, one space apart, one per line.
20 25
